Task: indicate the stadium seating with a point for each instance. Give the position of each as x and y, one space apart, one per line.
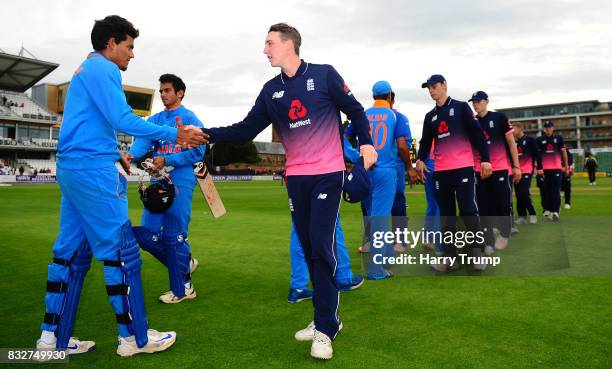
39 164
36 142
22 106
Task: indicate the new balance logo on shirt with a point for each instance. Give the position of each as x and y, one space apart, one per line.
322 196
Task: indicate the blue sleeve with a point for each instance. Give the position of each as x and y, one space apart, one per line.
104 86
409 134
346 102
190 156
401 127
255 122
349 131
142 146
350 153
475 133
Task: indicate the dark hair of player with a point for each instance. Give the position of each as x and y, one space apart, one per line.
113 26
176 81
385 96
288 33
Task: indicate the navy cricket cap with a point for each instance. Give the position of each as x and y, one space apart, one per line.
433 80
479 95
381 88
548 123
356 183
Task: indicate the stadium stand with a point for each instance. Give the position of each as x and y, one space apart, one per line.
39 165
22 106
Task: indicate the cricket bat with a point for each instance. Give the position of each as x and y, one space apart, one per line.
213 200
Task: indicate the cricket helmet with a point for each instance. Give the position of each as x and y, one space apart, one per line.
158 196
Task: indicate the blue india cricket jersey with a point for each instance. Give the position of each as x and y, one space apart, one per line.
174 155
95 110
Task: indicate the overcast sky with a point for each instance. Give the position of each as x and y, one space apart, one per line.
519 52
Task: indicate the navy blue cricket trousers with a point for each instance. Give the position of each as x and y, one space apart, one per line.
314 201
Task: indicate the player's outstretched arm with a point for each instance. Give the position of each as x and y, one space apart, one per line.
103 84
255 122
186 157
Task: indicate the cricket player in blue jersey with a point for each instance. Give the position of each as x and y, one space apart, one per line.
398 210
304 102
171 246
389 140
94 208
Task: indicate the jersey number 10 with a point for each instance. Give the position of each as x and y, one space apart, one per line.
378 139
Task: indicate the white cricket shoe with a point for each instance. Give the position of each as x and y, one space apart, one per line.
158 341
501 243
521 220
489 250
533 219
321 346
568 206
554 217
193 265
547 214
308 333
170 298
75 346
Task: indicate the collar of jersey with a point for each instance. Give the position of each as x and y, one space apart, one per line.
168 111
446 103
96 53
381 104
301 70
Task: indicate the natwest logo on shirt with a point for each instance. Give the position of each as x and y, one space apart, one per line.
443 130
443 127
297 110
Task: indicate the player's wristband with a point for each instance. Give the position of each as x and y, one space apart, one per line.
485 162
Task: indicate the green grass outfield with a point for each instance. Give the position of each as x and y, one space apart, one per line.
241 318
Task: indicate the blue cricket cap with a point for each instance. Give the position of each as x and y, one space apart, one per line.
356 183
548 123
433 80
479 95
381 88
